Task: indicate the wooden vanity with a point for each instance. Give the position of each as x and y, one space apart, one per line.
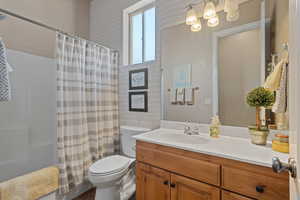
168 173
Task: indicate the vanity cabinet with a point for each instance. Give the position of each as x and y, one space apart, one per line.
254 184
232 196
152 183
187 189
167 173
157 184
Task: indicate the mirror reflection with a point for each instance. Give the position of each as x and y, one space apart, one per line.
209 69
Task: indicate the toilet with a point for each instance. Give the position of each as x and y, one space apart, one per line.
105 174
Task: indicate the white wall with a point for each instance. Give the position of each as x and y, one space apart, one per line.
106 28
27 122
68 15
106 21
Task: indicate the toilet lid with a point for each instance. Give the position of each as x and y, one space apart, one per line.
110 165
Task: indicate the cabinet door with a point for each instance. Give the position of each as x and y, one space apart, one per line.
231 196
186 189
152 183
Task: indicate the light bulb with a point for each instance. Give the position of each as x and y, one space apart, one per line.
209 10
191 17
233 16
197 26
213 22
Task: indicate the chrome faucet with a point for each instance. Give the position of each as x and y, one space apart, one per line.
191 130
187 129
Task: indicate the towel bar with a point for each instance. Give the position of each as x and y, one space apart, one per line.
196 88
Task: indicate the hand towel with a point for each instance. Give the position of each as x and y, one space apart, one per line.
31 186
273 81
280 105
189 96
128 186
180 96
173 96
4 72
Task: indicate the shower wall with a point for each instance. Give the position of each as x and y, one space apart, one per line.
27 122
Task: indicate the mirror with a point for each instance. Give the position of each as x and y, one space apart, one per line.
218 66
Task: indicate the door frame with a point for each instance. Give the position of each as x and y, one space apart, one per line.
294 92
215 66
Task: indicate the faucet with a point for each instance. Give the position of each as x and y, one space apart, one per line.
190 130
187 129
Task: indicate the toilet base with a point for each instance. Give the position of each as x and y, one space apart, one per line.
108 193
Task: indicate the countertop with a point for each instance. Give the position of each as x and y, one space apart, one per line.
234 148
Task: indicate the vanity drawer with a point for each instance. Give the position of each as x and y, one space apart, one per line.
231 196
255 185
181 164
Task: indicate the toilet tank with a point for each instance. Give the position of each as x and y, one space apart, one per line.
127 142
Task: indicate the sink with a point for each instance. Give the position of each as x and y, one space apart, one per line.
178 138
235 148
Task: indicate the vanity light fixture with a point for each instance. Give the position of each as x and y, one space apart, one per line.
233 16
210 10
231 7
191 16
197 26
213 22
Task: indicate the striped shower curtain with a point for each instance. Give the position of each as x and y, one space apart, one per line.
87 107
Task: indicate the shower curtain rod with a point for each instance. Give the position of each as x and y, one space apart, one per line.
6 12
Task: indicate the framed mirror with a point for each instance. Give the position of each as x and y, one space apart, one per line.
218 66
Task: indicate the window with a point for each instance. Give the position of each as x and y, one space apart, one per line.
142 36
139 33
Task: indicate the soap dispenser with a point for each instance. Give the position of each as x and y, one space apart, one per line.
214 129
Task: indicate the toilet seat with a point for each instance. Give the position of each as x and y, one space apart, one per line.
110 165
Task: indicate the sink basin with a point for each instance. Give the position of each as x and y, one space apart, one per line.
178 138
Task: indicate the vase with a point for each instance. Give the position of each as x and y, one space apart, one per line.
258 137
214 131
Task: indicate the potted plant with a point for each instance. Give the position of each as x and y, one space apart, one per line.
258 98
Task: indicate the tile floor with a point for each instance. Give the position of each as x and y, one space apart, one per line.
90 195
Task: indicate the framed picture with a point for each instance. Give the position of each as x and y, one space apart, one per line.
138 79
182 76
138 101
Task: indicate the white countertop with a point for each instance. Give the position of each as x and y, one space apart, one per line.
234 148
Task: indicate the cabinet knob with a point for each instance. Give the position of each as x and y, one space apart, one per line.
166 182
260 188
173 185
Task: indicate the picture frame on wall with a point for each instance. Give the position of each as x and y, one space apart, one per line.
138 79
138 101
182 76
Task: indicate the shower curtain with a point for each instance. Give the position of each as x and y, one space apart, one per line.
87 107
